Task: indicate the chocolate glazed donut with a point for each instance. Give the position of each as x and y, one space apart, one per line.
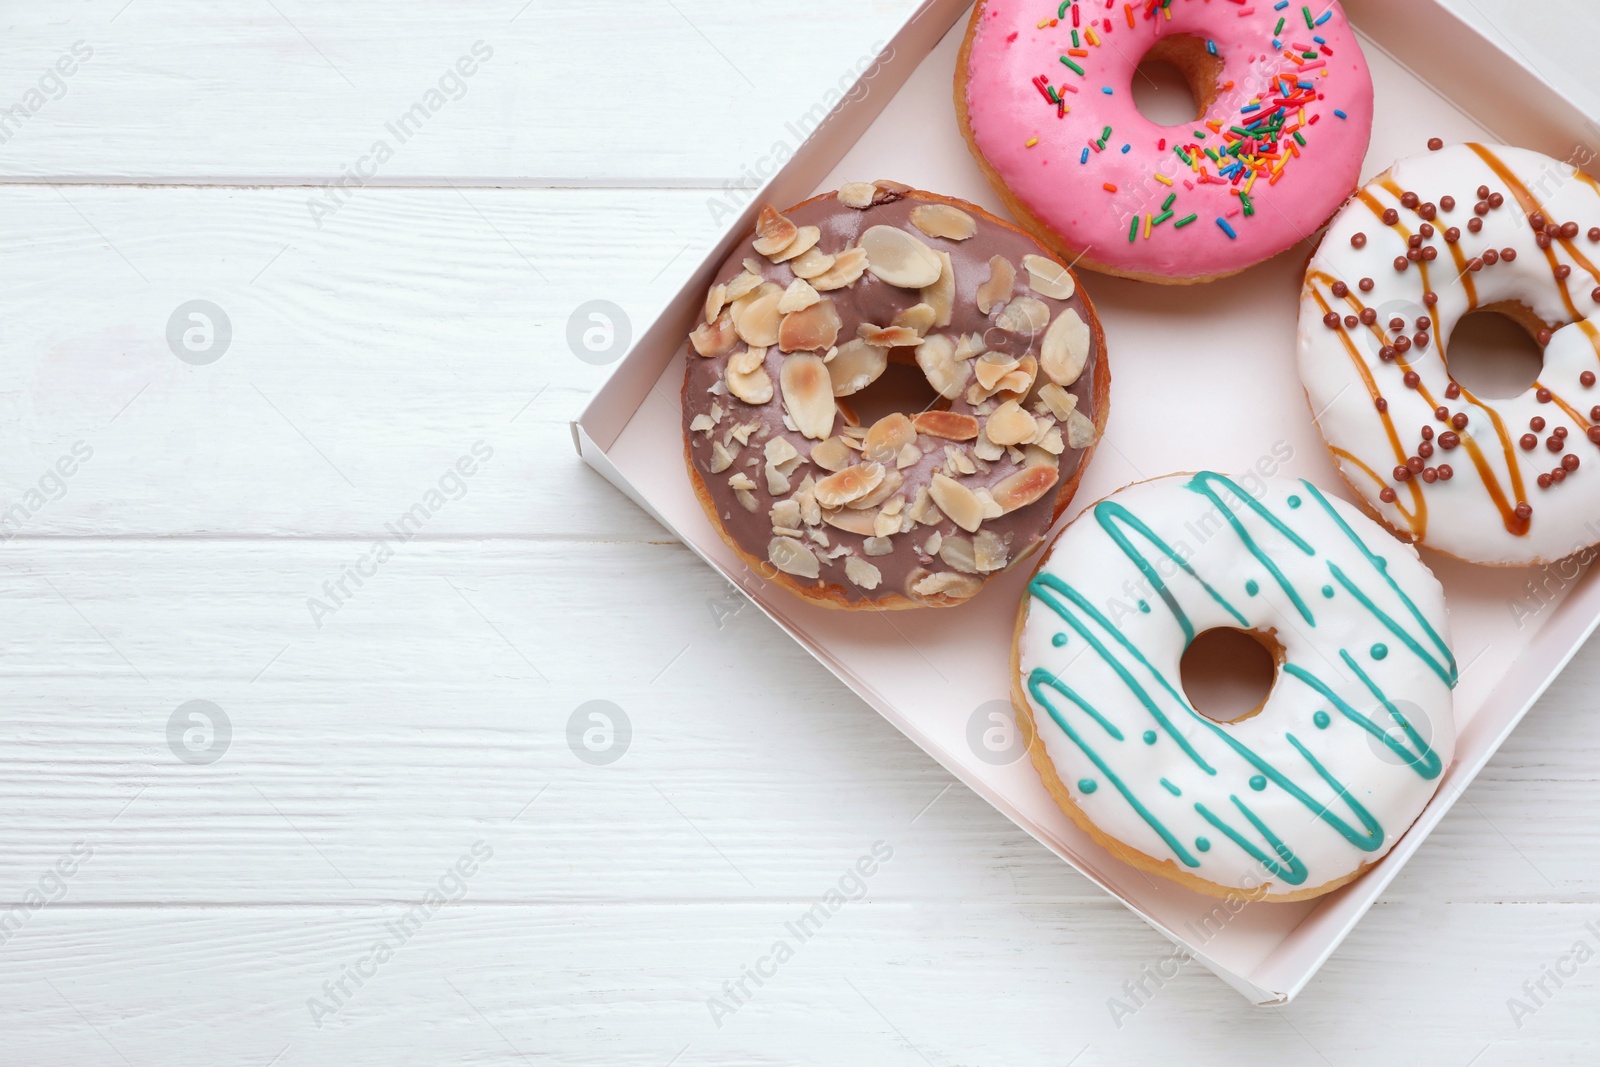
891 396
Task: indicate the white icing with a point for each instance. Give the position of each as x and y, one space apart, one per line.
1391 783
1459 516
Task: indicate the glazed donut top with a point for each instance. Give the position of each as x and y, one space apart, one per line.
1049 98
1450 231
1000 353
1353 737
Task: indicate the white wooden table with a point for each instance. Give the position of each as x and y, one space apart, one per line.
198 520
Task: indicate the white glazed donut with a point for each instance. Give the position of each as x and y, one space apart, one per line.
1294 799
1454 230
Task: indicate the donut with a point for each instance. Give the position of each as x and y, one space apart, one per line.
1298 796
1045 99
1456 229
890 397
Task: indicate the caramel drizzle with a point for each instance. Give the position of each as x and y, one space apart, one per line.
1456 254
1491 481
1417 518
1530 206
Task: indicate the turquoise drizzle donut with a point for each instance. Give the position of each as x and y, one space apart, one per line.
1293 799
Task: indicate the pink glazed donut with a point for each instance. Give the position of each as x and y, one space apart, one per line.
1045 98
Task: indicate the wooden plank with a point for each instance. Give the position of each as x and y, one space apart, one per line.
690 92
432 706
366 357
882 982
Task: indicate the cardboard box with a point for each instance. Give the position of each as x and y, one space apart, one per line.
1177 392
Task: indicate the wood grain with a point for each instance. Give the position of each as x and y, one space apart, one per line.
430 709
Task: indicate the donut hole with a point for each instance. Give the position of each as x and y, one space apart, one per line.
1492 352
901 387
1227 674
1177 81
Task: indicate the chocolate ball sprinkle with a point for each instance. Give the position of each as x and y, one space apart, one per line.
1427 432
1430 475
1528 441
1594 233
1543 480
1358 241
1447 203
1452 391
1524 511
1386 495
1429 212
1446 472
1558 475
1569 230
1563 271
1331 320
1430 298
1496 199
1453 234
1483 192
1474 224
1536 424
1594 433
1425 449
1402 473
1490 256
1381 404
1434 144
1544 336
1409 200
1367 285
1481 207
1350 322
1459 420
1341 290
1509 255
1412 379
1401 263
1390 216
1537 220
1586 379
1554 443
1449 440
1369 316
1542 396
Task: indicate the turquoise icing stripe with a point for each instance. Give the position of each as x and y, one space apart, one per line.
1124 658
1424 761
1040 678
1045 586
1107 514
1382 567
1201 483
1287 866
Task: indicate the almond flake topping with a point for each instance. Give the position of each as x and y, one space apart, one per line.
808 395
773 231
792 557
943 220
1065 350
997 290
856 366
899 259
958 502
1049 278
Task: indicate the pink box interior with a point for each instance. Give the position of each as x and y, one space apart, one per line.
1178 394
